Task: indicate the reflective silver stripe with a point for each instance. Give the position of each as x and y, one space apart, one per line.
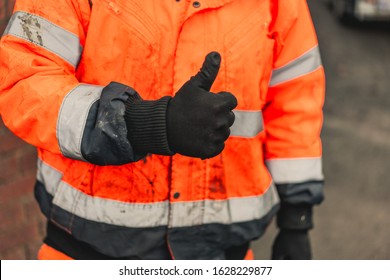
304 64
139 215
295 170
135 215
72 118
99 209
233 210
44 33
247 124
48 176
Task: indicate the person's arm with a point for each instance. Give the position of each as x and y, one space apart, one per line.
42 101
293 120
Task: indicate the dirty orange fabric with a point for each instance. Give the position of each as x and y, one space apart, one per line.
249 255
168 59
155 47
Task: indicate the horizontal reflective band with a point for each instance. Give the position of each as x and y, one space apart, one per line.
136 215
48 176
247 124
233 210
73 116
45 34
107 239
304 64
139 215
295 170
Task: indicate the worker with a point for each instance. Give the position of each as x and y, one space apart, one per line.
167 129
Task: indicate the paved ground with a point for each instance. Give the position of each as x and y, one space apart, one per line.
353 222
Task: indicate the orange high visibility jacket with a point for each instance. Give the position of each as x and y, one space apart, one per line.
58 56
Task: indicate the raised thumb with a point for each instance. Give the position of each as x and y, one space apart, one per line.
209 71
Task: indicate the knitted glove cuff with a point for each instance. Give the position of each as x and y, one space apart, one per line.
146 125
295 217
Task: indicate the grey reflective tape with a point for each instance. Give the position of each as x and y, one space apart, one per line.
155 214
135 215
48 176
247 124
149 215
138 215
302 65
45 34
233 210
73 116
295 170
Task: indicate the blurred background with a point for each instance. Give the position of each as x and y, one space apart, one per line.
353 222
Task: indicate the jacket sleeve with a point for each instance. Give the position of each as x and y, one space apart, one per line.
41 99
293 112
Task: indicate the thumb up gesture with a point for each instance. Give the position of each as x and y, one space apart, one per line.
199 121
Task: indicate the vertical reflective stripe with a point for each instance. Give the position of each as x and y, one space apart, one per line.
48 176
295 170
45 34
233 210
72 118
302 65
247 124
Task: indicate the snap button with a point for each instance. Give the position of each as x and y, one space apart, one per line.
196 4
176 195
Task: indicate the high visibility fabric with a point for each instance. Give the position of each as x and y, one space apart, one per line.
270 62
72 117
54 38
49 253
249 255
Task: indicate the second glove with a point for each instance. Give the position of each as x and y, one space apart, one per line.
292 241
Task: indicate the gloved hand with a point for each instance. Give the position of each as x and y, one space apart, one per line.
194 123
292 241
198 121
291 244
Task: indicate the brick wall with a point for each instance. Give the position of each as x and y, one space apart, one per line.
21 222
6 7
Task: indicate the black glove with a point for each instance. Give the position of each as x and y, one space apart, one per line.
198 121
292 241
291 244
195 122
